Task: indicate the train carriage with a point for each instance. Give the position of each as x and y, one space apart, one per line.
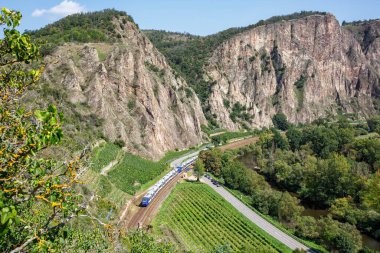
163 181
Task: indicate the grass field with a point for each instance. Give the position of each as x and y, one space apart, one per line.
198 219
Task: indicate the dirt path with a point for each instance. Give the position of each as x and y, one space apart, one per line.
216 134
142 216
239 144
108 167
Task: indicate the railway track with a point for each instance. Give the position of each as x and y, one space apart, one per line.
144 215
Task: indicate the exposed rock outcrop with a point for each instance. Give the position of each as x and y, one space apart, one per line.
132 89
304 68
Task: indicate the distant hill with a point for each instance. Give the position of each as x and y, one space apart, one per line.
84 27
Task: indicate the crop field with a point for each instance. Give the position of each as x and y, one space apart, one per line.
103 155
198 219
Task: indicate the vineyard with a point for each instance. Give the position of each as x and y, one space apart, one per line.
200 220
133 171
103 155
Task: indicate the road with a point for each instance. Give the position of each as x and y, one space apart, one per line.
142 216
257 219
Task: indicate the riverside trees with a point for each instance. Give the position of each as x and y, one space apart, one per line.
327 164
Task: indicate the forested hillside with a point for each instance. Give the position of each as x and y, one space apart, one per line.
83 28
331 165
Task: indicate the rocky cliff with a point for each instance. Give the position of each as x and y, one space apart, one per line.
131 89
305 68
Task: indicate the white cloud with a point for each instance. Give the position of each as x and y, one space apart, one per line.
65 8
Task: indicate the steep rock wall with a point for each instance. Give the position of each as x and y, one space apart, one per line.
304 68
132 89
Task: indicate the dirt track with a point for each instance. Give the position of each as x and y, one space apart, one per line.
142 216
239 144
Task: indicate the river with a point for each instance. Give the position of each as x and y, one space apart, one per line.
316 213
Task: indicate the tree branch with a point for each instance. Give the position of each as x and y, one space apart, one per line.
29 241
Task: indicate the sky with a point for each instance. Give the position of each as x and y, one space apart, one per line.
199 17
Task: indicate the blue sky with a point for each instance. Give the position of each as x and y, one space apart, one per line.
200 17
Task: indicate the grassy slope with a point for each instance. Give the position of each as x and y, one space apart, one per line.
82 28
103 155
200 220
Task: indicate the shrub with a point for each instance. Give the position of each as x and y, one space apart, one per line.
119 143
280 121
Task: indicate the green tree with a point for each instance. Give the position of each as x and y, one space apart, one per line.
289 208
218 139
342 237
370 194
279 141
294 137
212 160
199 169
330 179
307 227
367 150
374 124
282 172
324 140
37 196
280 121
266 139
345 136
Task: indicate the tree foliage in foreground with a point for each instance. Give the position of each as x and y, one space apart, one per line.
36 195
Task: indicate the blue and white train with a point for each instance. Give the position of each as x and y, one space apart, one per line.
152 192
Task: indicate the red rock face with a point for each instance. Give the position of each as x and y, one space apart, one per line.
134 91
305 68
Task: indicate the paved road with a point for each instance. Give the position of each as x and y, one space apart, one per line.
257 219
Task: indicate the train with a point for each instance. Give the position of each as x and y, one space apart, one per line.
152 192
